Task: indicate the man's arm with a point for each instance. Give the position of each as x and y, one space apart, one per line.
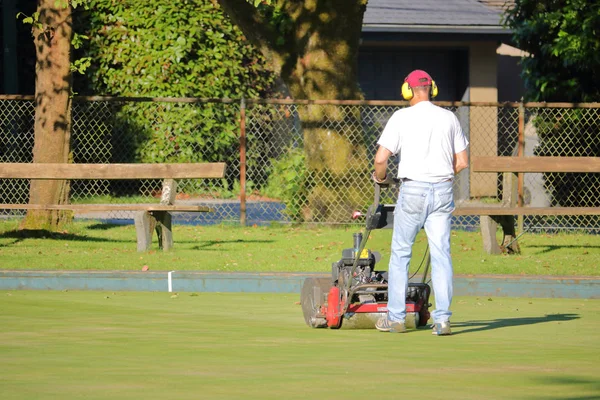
381 159
461 161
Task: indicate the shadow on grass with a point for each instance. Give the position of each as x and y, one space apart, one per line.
22 234
210 243
477 326
592 387
103 226
549 248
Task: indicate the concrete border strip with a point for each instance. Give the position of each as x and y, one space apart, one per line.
196 281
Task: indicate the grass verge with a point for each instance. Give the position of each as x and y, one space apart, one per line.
99 246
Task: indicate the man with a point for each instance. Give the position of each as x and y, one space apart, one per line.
432 149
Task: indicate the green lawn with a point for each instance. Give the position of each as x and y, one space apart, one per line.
94 246
97 345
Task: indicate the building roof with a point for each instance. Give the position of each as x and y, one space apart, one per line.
498 4
433 16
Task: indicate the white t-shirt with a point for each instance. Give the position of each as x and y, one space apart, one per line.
426 137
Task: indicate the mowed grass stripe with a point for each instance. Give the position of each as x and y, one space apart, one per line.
101 345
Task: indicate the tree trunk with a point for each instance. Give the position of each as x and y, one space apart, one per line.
52 38
314 49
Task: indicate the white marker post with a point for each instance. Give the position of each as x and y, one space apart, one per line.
170 280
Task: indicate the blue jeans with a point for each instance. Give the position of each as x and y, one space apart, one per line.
429 206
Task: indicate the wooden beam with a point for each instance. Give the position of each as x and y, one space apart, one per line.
111 171
107 207
489 210
535 164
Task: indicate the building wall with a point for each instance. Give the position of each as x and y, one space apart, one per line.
382 70
483 123
510 84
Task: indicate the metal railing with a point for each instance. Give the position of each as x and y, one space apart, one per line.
301 161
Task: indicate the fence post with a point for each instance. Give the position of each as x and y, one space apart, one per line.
243 161
521 176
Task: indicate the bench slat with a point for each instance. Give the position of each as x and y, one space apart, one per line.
535 164
107 207
489 210
111 171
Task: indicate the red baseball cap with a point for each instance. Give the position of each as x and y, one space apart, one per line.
418 78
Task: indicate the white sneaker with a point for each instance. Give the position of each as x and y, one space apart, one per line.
442 329
385 325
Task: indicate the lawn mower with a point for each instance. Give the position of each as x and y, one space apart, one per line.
356 295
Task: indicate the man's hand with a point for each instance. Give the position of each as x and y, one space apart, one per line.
382 182
377 180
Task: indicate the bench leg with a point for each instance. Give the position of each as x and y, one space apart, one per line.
164 229
145 225
509 242
489 225
488 233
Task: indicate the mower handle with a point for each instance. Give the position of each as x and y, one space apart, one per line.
377 214
376 218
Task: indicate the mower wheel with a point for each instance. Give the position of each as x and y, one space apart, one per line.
312 298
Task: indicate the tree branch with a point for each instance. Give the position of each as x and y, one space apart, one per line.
258 30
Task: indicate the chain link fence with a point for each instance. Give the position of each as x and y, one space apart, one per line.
299 162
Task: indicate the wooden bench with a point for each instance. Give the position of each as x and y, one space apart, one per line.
150 217
512 196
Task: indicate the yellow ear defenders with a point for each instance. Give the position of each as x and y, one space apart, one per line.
408 94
